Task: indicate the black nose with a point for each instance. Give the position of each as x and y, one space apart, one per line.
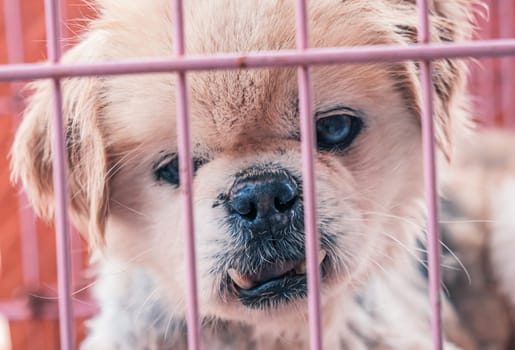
264 202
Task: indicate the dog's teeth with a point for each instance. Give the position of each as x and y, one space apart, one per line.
300 269
321 256
240 280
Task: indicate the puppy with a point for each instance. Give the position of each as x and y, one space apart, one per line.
124 184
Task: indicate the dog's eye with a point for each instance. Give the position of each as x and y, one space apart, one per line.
169 171
336 132
168 168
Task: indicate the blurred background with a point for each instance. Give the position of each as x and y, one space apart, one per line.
27 253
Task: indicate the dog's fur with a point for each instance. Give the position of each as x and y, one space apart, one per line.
369 196
479 226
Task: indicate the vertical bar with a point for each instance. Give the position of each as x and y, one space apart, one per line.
65 32
29 238
186 176
13 29
430 180
507 64
63 8
75 240
60 188
76 257
26 215
490 90
29 241
308 179
486 73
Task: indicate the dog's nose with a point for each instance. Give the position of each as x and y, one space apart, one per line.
266 202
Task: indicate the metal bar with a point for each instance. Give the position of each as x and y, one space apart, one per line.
27 218
488 78
18 309
75 239
507 64
29 239
76 257
186 176
66 330
308 182
360 54
64 32
13 31
428 141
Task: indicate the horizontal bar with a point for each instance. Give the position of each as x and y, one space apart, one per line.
19 309
356 54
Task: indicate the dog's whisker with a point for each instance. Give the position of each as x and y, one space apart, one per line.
143 305
126 157
403 219
129 208
350 256
84 288
464 221
458 260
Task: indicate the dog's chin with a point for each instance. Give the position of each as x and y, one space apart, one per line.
271 286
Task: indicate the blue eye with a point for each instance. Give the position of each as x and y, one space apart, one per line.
168 168
169 171
337 132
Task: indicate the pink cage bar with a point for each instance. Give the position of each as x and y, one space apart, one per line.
303 57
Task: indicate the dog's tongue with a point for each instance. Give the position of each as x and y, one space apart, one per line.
270 272
273 271
267 273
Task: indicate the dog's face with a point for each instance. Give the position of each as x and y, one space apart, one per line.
248 193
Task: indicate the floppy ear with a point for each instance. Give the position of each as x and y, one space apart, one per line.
451 21
31 154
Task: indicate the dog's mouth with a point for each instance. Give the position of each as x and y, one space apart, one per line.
272 284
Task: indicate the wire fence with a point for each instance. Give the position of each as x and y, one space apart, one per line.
493 79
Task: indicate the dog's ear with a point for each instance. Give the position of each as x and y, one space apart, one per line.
451 21
31 155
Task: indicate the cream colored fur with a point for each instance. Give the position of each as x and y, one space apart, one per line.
481 185
370 196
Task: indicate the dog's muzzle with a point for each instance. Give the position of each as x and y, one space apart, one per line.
265 215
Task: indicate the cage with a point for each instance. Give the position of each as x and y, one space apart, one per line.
34 300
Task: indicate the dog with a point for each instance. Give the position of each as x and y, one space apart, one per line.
124 184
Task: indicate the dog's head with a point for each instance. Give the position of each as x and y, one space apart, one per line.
248 188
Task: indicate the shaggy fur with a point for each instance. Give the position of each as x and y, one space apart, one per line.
478 225
369 196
